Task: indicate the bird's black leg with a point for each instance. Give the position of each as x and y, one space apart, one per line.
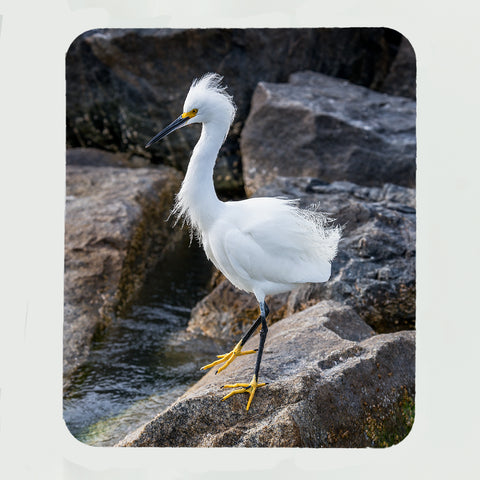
228 358
263 336
251 387
264 311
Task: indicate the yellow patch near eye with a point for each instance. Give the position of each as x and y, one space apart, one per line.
190 114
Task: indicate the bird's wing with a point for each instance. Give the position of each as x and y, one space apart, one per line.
269 240
272 258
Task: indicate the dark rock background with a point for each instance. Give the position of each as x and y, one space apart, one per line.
330 129
324 115
124 85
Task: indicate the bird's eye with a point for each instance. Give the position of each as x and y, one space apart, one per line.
195 111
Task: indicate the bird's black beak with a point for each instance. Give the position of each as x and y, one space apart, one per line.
179 122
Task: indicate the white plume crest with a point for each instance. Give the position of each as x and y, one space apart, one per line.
323 234
211 82
210 89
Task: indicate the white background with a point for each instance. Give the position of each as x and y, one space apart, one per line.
34 442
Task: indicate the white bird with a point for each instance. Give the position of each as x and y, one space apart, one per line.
262 245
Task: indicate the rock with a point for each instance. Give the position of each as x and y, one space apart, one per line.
324 127
331 383
374 271
115 232
227 312
402 71
95 157
123 85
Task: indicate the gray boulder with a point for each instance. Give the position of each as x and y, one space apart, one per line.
374 271
331 383
115 232
123 85
324 127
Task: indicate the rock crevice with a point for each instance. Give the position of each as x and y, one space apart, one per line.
115 231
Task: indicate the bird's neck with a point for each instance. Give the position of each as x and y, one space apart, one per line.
197 199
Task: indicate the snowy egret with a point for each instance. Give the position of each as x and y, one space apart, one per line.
262 245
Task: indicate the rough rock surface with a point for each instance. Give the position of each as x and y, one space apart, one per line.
125 84
374 271
227 312
328 128
331 383
95 157
403 70
115 231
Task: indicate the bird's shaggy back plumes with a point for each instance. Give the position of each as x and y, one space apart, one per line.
319 228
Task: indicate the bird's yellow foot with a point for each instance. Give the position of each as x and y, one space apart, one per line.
244 387
228 358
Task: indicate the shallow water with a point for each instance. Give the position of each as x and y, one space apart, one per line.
144 362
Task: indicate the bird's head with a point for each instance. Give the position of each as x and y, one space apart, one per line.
207 102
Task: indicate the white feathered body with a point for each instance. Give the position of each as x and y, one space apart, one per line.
262 245
268 246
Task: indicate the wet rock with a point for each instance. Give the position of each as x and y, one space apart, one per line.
115 232
123 85
331 383
374 271
328 128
